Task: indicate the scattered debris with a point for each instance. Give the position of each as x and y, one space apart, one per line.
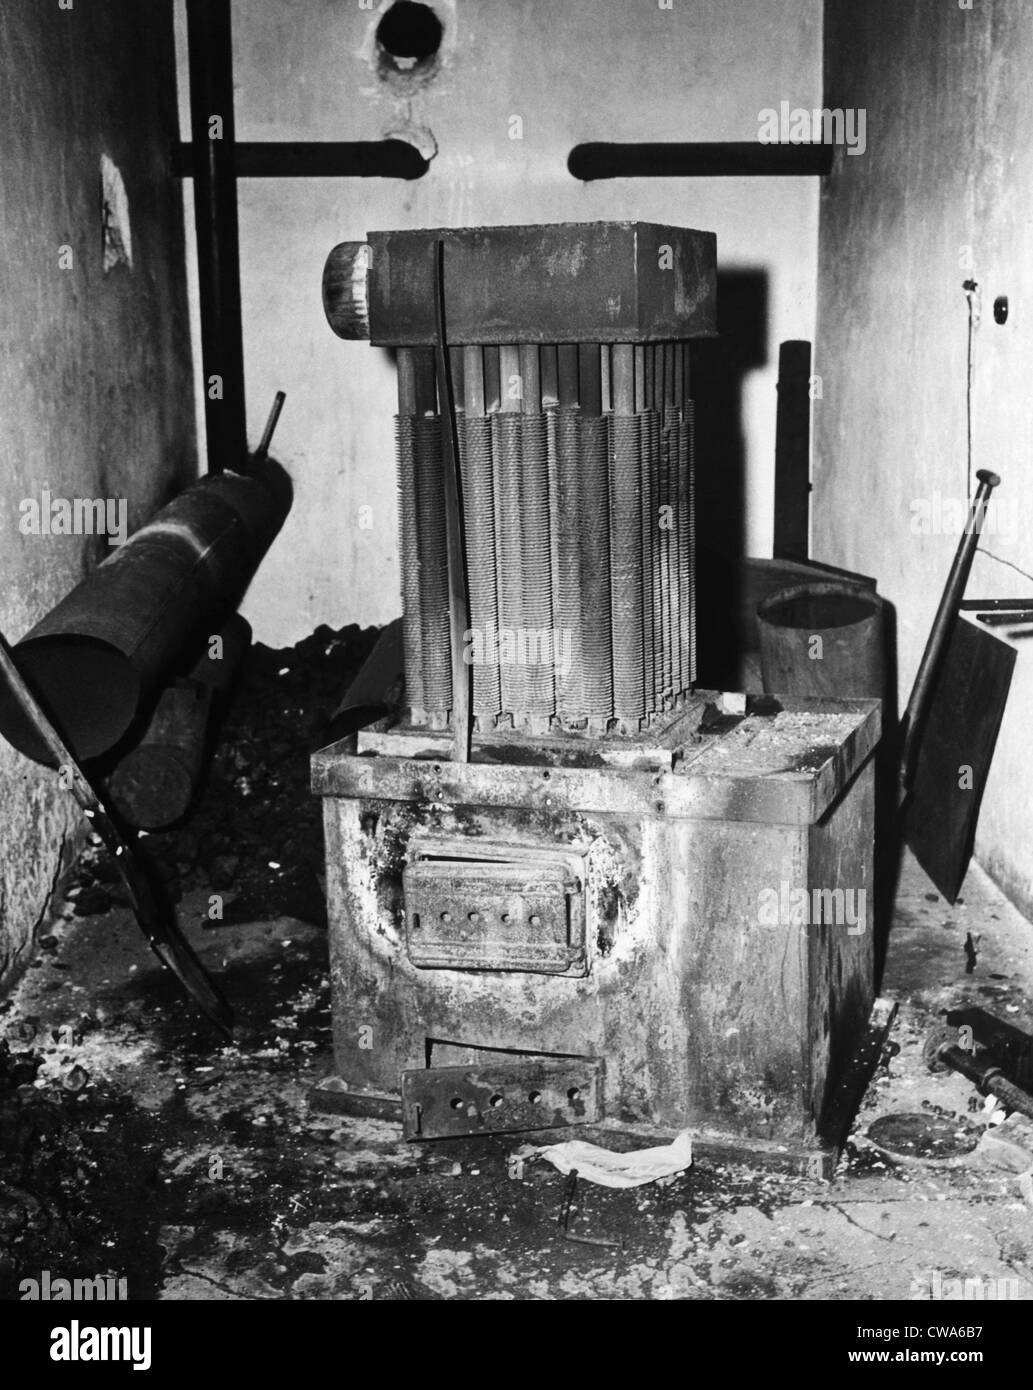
255 832
971 955
1008 1145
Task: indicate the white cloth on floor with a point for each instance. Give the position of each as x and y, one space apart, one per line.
610 1169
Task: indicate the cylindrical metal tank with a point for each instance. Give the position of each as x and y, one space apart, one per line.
101 654
823 640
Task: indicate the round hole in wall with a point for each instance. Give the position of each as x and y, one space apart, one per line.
408 36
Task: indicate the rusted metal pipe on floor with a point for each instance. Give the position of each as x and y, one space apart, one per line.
99 657
977 1066
155 783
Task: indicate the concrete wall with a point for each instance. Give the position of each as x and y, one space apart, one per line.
944 192
94 371
573 70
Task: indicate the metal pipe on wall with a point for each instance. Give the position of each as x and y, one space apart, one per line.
210 48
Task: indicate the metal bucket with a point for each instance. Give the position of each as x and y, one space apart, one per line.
824 640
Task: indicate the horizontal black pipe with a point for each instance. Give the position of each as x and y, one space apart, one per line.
973 605
720 159
307 159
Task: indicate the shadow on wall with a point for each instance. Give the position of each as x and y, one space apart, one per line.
719 368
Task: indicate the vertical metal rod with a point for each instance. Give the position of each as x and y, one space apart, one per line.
456 359
548 359
530 379
623 379
425 391
262 452
590 385
510 381
492 383
667 358
405 366
792 452
473 380
210 48
640 378
606 392
568 374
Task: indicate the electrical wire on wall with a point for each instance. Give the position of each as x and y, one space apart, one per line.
971 288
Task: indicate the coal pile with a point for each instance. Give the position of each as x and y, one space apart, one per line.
254 835
78 1176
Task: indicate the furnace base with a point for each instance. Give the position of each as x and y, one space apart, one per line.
668 932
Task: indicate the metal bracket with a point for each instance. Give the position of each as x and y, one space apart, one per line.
499 1097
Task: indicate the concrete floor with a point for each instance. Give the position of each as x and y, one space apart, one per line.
142 1147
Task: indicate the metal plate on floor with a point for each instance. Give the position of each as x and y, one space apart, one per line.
923 1134
500 1097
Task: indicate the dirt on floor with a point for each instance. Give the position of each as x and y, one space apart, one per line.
136 1142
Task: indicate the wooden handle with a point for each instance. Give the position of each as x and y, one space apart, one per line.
943 624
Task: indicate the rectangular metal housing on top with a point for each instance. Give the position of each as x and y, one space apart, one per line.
602 282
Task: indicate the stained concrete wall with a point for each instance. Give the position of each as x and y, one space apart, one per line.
572 70
943 193
95 379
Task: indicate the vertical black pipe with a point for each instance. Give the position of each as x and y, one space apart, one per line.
792 452
210 50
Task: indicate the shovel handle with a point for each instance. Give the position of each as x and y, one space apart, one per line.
943 624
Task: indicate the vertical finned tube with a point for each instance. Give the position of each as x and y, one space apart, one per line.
648 523
507 446
435 633
626 542
668 553
595 539
536 547
408 526
481 561
690 439
571 702
651 486
432 551
594 530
